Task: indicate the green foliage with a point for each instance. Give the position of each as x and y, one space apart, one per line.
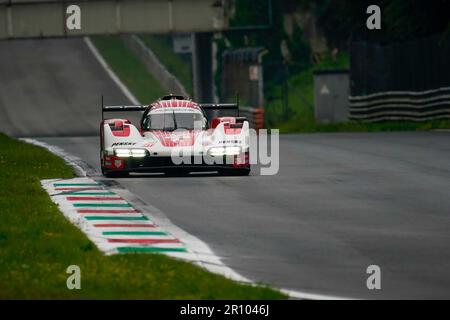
251 13
289 87
269 37
402 20
179 66
129 68
299 94
342 21
37 244
299 50
299 115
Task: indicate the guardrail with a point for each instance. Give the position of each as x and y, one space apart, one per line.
401 105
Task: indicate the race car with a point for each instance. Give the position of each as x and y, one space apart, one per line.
174 137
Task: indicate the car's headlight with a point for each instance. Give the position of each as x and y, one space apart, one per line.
224 151
138 153
125 153
122 152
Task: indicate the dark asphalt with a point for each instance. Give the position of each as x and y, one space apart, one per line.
52 87
340 202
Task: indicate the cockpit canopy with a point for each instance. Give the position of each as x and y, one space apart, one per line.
170 120
174 112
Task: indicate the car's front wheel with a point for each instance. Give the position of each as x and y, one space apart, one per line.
115 174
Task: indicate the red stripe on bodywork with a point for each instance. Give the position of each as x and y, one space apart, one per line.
229 130
179 139
145 241
173 103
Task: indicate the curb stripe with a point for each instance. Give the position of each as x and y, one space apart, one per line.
111 222
149 249
102 205
115 218
111 211
124 225
94 198
75 184
77 193
75 189
146 241
135 233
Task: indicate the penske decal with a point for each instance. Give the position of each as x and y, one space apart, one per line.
115 144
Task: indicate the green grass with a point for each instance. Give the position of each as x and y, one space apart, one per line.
299 117
37 244
179 67
129 68
300 97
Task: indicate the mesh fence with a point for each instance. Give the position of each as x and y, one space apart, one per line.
418 65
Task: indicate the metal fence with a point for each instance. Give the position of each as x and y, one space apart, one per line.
406 81
413 106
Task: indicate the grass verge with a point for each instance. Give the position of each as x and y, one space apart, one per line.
37 244
179 66
128 68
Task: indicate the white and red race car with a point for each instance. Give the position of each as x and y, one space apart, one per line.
175 137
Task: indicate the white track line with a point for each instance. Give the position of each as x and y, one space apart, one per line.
109 71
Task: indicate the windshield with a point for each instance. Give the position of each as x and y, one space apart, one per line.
170 121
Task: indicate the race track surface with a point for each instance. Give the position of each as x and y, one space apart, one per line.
52 87
340 202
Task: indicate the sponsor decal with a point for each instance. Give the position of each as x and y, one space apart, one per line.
115 144
229 141
149 144
118 164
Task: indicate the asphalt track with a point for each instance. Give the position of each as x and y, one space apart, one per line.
340 202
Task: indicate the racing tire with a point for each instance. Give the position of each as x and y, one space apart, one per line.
115 174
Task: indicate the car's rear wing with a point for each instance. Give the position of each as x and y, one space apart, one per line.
221 106
121 108
204 106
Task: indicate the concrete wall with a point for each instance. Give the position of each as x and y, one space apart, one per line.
39 18
331 94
